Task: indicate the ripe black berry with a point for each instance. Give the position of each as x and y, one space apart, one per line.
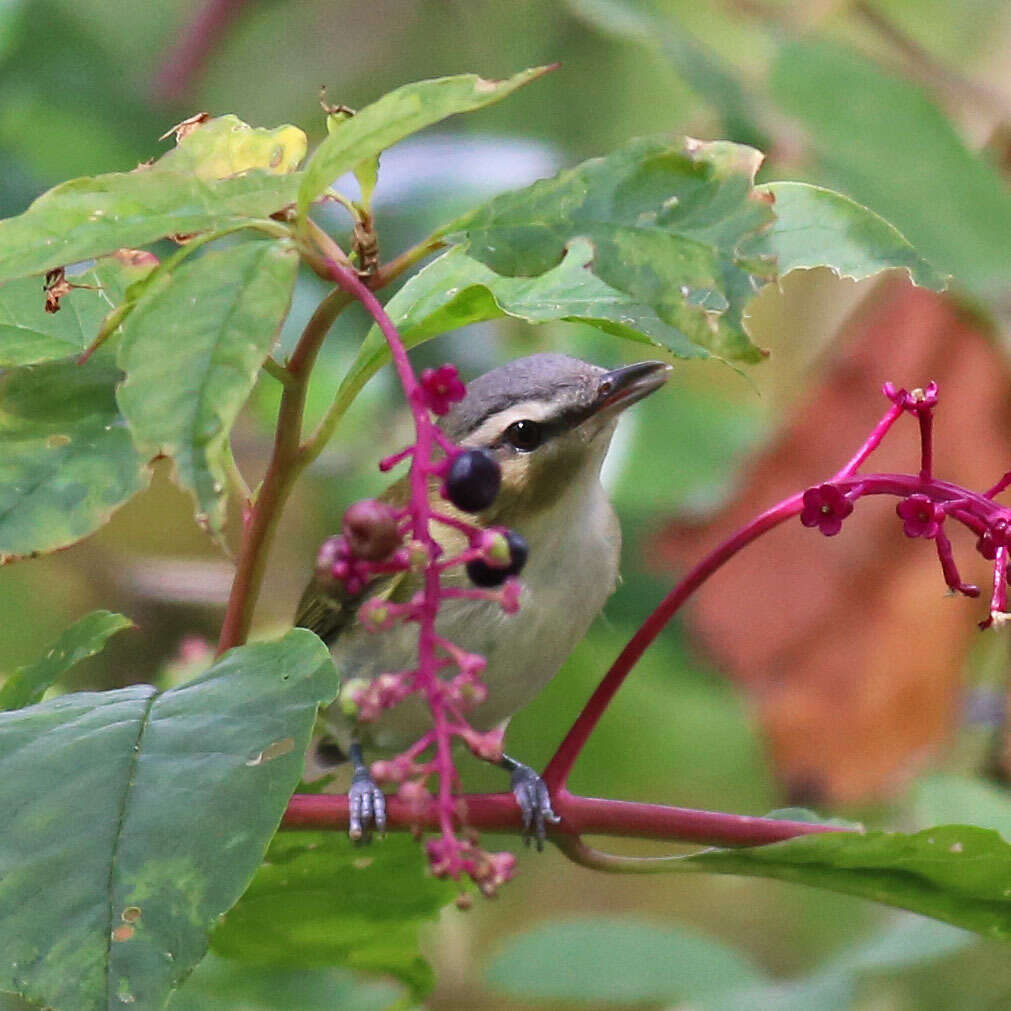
473 480
483 574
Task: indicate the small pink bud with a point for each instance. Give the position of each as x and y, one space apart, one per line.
509 596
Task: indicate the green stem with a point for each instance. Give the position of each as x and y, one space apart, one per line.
288 458
277 371
285 465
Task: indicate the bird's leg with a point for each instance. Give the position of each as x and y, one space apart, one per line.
366 802
533 798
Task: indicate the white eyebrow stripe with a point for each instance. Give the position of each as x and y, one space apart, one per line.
494 425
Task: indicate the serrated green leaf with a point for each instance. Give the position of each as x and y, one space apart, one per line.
92 216
395 116
84 638
815 227
225 146
667 223
617 961
320 901
956 873
191 351
910 165
30 335
133 819
67 461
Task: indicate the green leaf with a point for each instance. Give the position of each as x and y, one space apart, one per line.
222 985
29 334
225 146
909 165
456 290
395 116
815 227
67 461
134 819
320 901
667 223
189 371
89 217
616 961
955 873
84 638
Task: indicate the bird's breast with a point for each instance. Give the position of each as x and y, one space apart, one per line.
571 571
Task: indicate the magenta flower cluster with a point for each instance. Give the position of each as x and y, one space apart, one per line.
925 503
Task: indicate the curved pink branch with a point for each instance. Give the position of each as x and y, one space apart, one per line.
497 812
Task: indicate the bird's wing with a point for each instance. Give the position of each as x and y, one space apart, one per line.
328 615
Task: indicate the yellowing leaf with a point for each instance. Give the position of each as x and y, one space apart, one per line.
225 146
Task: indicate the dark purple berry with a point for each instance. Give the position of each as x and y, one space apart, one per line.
483 574
370 529
473 480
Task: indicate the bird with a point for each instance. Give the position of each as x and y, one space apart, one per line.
548 420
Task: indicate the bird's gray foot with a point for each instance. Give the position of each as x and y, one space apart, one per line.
366 802
534 800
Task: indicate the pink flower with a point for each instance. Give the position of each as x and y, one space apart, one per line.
825 507
920 516
442 388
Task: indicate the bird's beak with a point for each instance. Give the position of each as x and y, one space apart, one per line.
626 386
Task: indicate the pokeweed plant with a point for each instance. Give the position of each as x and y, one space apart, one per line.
125 357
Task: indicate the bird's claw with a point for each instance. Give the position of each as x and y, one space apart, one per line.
366 807
532 795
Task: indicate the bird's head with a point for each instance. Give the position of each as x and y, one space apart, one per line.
548 421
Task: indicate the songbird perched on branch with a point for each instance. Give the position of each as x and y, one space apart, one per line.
546 421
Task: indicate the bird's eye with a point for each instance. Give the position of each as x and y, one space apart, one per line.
525 435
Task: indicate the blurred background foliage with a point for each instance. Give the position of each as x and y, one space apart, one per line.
833 674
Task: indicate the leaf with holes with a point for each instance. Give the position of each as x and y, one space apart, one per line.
319 901
668 223
67 461
133 819
84 638
815 227
191 351
682 233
